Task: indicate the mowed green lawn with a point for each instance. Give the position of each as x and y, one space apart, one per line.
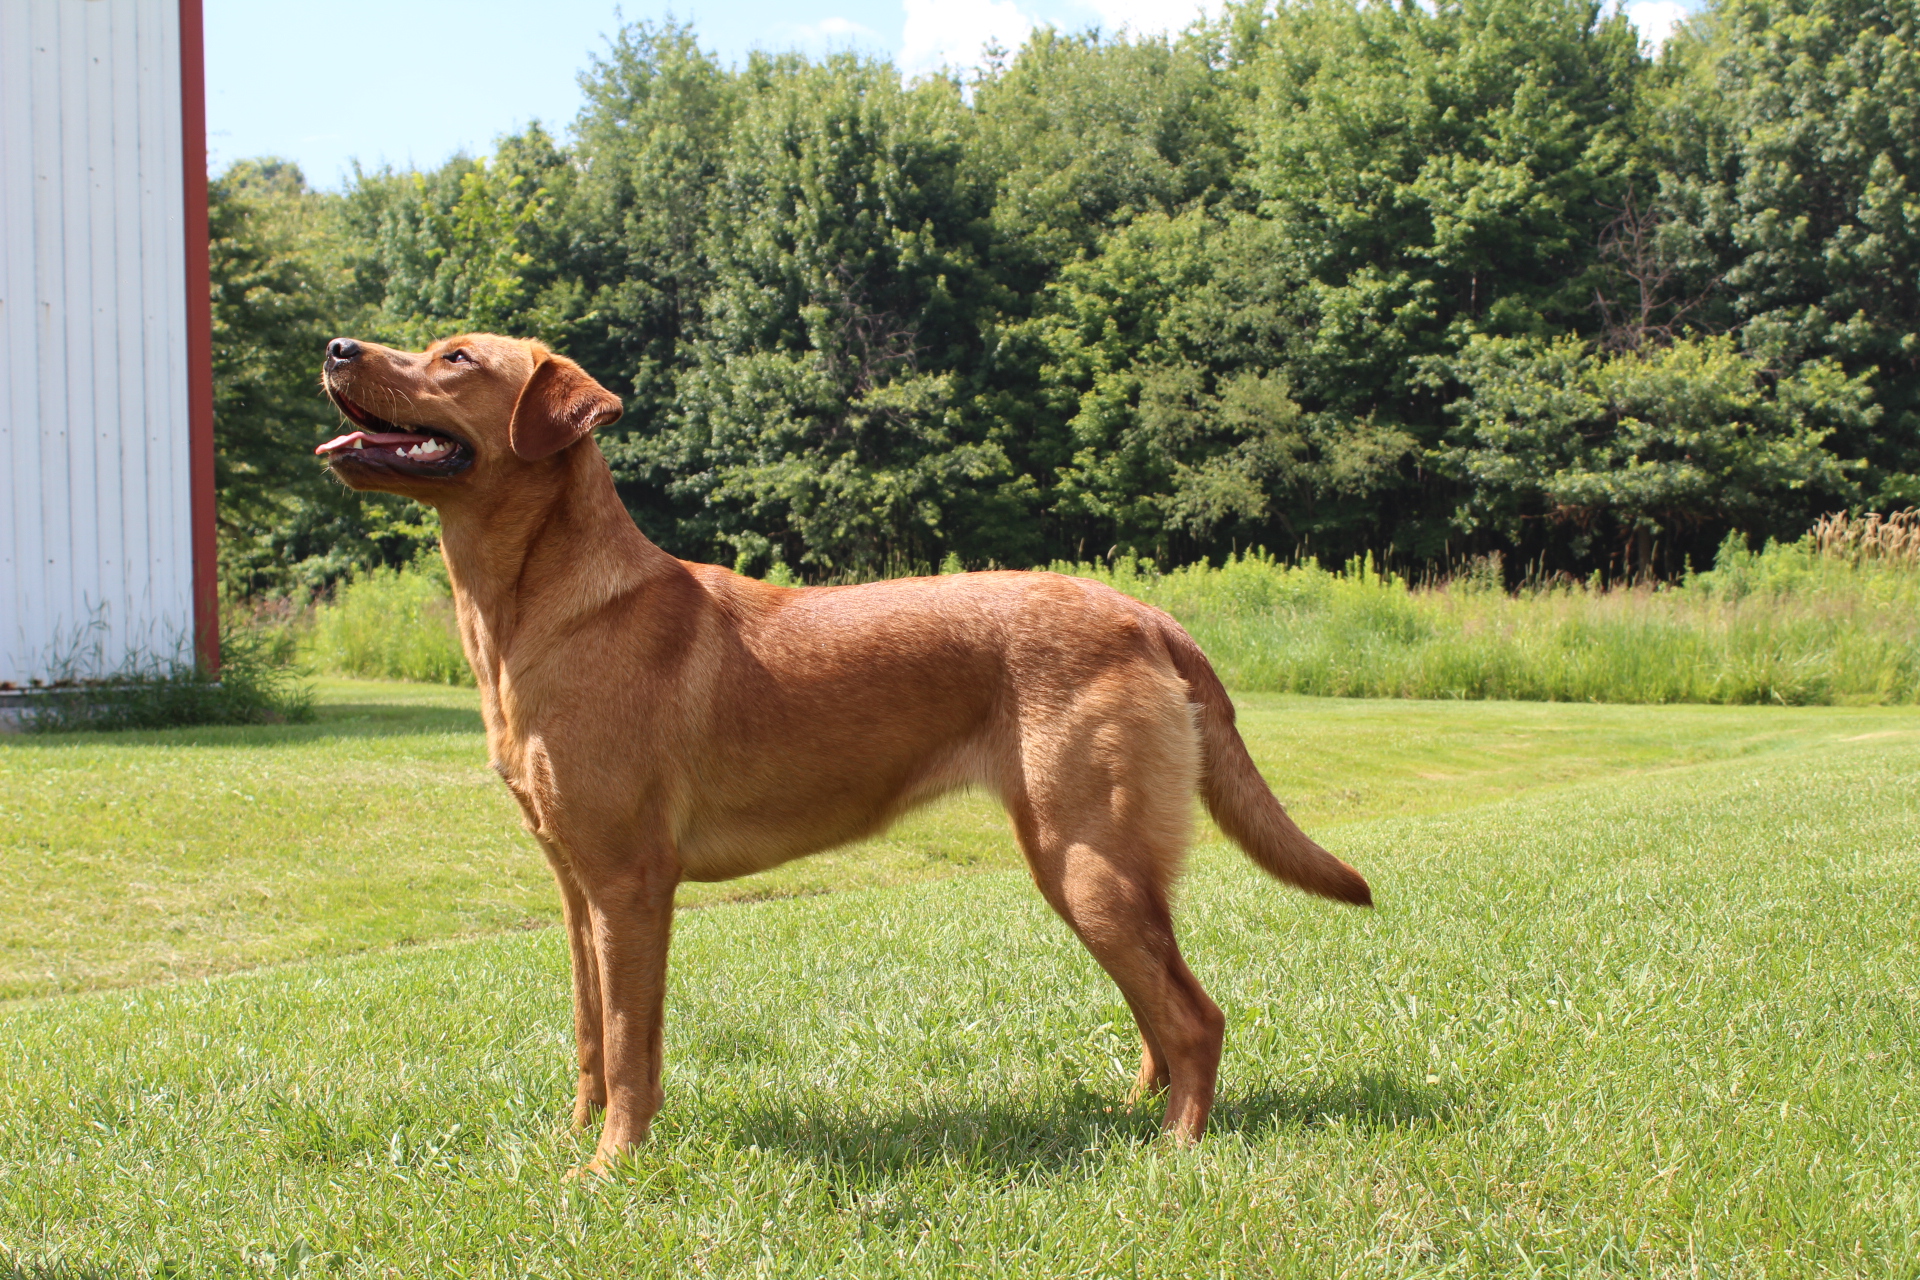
1641 997
136 857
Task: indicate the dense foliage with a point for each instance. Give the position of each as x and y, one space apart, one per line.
1330 278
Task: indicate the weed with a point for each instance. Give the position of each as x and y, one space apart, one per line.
253 686
1789 624
1870 537
394 624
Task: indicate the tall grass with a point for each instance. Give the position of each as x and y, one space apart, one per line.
391 624
1833 618
256 684
1788 624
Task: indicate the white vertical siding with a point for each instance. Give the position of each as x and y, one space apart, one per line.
96 548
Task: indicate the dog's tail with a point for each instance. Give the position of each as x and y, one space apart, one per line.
1239 798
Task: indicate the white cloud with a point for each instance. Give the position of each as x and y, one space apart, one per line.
844 27
828 33
1150 17
951 33
1656 19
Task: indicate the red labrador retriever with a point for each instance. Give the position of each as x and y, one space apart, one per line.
659 720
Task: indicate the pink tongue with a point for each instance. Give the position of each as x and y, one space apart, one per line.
356 438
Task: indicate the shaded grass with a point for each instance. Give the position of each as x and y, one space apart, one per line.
129 858
1652 1025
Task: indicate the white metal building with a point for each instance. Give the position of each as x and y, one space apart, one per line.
106 397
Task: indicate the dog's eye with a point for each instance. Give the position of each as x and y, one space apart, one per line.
458 357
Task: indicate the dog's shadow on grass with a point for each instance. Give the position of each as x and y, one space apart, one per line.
1015 1138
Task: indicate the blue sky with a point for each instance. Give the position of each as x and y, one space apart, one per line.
408 83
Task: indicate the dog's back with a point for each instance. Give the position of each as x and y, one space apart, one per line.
905 689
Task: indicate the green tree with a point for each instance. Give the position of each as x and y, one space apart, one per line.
1076 137
279 283
1620 450
447 249
633 274
825 422
1435 174
1791 139
1438 174
1079 135
1166 358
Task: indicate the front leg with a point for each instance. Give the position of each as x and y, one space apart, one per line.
632 915
591 1093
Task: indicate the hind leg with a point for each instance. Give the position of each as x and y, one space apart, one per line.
1103 819
1121 914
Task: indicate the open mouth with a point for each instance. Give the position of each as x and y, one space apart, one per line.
389 446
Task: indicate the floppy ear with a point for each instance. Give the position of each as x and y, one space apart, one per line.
559 404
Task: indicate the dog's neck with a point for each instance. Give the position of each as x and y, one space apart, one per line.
564 539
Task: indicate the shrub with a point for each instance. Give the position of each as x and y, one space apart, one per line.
391 624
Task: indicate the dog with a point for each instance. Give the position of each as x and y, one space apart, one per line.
659 720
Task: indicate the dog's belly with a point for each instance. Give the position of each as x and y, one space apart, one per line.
725 842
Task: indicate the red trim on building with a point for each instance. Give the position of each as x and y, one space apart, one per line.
193 124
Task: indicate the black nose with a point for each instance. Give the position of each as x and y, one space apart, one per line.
342 349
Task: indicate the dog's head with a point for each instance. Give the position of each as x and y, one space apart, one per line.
465 416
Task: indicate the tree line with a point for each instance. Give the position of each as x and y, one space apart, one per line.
1326 277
